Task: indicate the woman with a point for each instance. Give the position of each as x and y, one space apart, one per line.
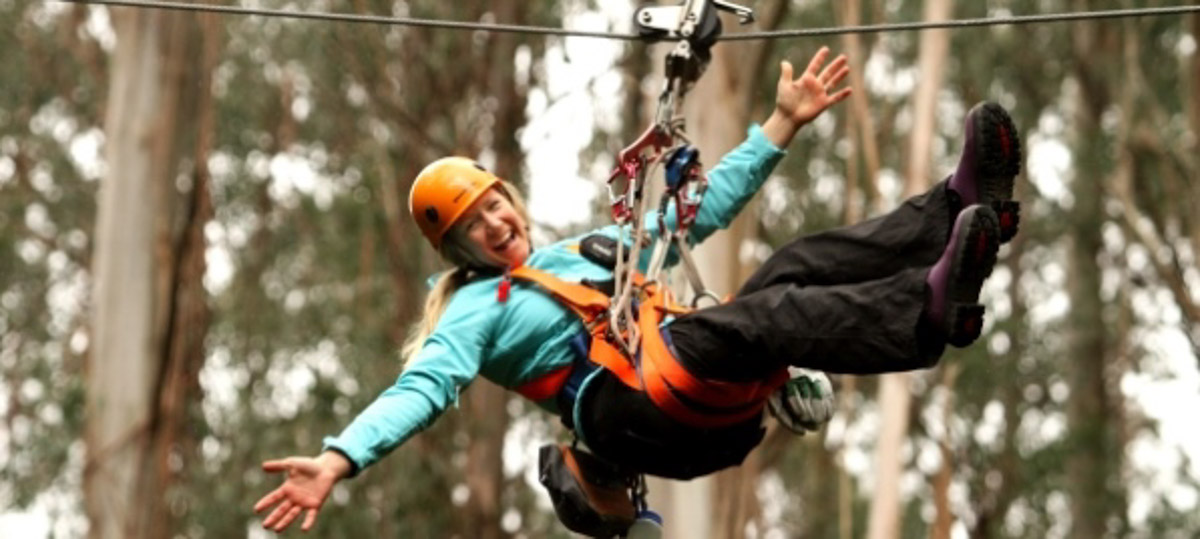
881 296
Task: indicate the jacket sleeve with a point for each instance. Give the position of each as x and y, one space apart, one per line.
731 184
448 362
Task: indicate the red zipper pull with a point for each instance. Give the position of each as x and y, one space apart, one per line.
505 286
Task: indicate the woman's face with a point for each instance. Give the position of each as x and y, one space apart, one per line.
494 231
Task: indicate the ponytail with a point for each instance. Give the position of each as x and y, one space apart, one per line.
435 305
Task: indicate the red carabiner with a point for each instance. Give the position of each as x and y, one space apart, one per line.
630 162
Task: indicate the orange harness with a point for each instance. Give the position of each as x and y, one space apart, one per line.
698 402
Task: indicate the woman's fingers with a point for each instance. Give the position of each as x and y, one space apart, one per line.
280 465
309 519
277 514
838 97
268 500
837 78
785 71
288 518
830 72
817 61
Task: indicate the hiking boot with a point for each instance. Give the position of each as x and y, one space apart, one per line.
954 282
991 158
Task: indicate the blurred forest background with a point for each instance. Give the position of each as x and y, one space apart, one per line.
206 261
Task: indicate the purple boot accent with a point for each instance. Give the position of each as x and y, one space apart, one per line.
955 279
991 158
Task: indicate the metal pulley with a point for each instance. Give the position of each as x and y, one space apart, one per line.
695 25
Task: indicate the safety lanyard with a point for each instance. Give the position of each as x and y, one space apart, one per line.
664 144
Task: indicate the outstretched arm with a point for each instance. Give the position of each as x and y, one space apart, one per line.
799 101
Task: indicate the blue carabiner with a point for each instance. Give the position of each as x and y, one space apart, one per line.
679 165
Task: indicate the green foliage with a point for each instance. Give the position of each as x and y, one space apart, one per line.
47 207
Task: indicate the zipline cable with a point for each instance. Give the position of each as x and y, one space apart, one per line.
353 18
543 30
966 23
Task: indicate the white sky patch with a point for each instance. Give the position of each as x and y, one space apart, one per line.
558 195
298 173
65 297
525 436
99 26
1168 384
581 93
1186 45
1049 164
84 150
221 385
1049 287
772 494
988 432
54 512
218 269
291 176
46 13
1039 429
290 381
883 77
8 168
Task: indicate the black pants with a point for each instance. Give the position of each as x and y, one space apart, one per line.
848 300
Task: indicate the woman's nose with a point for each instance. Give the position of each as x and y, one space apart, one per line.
492 221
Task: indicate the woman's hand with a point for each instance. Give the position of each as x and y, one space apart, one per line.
307 485
799 101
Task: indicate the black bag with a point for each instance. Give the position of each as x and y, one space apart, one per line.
590 496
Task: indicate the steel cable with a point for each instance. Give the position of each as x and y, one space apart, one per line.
543 30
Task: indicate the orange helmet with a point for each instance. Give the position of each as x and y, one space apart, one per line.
443 191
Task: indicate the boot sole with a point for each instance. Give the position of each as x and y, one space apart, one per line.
999 151
974 258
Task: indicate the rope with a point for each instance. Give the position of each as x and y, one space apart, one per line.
776 34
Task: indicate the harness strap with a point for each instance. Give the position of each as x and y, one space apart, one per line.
698 402
610 357
591 306
586 302
694 401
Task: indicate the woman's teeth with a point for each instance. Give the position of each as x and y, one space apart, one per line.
507 241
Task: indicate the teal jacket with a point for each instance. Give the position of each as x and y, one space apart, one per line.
527 336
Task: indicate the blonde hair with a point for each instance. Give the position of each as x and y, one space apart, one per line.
466 268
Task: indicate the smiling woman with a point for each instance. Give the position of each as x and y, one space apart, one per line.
494 232
470 215
689 396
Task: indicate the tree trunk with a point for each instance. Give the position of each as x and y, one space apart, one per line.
1193 101
488 408
894 396
149 311
861 132
860 126
719 110
1090 465
716 130
998 497
944 519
